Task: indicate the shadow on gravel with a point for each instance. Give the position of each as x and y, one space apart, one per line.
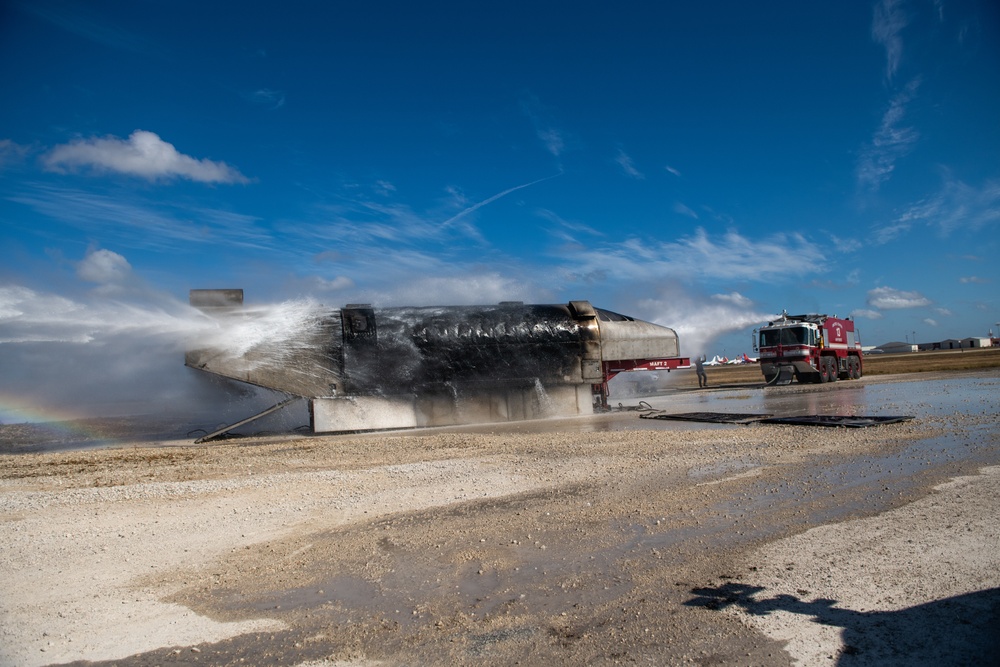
961 630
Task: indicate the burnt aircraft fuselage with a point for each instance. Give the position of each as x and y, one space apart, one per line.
450 353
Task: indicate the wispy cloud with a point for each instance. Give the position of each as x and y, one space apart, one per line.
553 140
461 287
846 245
890 142
973 280
143 155
551 137
319 284
627 165
134 222
375 241
12 153
727 257
74 18
265 97
888 298
867 314
673 171
888 22
567 230
957 205
684 210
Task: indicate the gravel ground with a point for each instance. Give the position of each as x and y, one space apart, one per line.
726 545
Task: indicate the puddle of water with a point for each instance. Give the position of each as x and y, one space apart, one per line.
525 578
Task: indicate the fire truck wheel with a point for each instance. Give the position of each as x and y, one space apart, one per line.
824 370
834 371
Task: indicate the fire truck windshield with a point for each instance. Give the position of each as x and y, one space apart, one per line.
785 336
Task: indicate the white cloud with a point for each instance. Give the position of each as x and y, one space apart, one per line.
673 171
930 322
143 154
104 267
729 257
891 142
625 162
965 280
684 210
888 22
888 298
867 314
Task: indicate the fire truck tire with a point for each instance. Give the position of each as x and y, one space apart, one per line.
854 368
824 370
834 369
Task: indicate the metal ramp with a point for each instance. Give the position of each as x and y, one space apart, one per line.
219 433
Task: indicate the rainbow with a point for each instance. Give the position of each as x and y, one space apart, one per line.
61 422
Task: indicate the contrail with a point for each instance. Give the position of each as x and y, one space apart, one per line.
474 207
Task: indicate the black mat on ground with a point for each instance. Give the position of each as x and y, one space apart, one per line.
713 417
852 421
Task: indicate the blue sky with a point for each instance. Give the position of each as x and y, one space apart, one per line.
700 165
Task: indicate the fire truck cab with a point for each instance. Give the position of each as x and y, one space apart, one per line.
809 348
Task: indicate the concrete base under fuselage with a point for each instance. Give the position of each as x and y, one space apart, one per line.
483 405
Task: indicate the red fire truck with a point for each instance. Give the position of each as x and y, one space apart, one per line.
808 348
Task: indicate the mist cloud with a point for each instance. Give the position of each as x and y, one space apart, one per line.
699 321
104 267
